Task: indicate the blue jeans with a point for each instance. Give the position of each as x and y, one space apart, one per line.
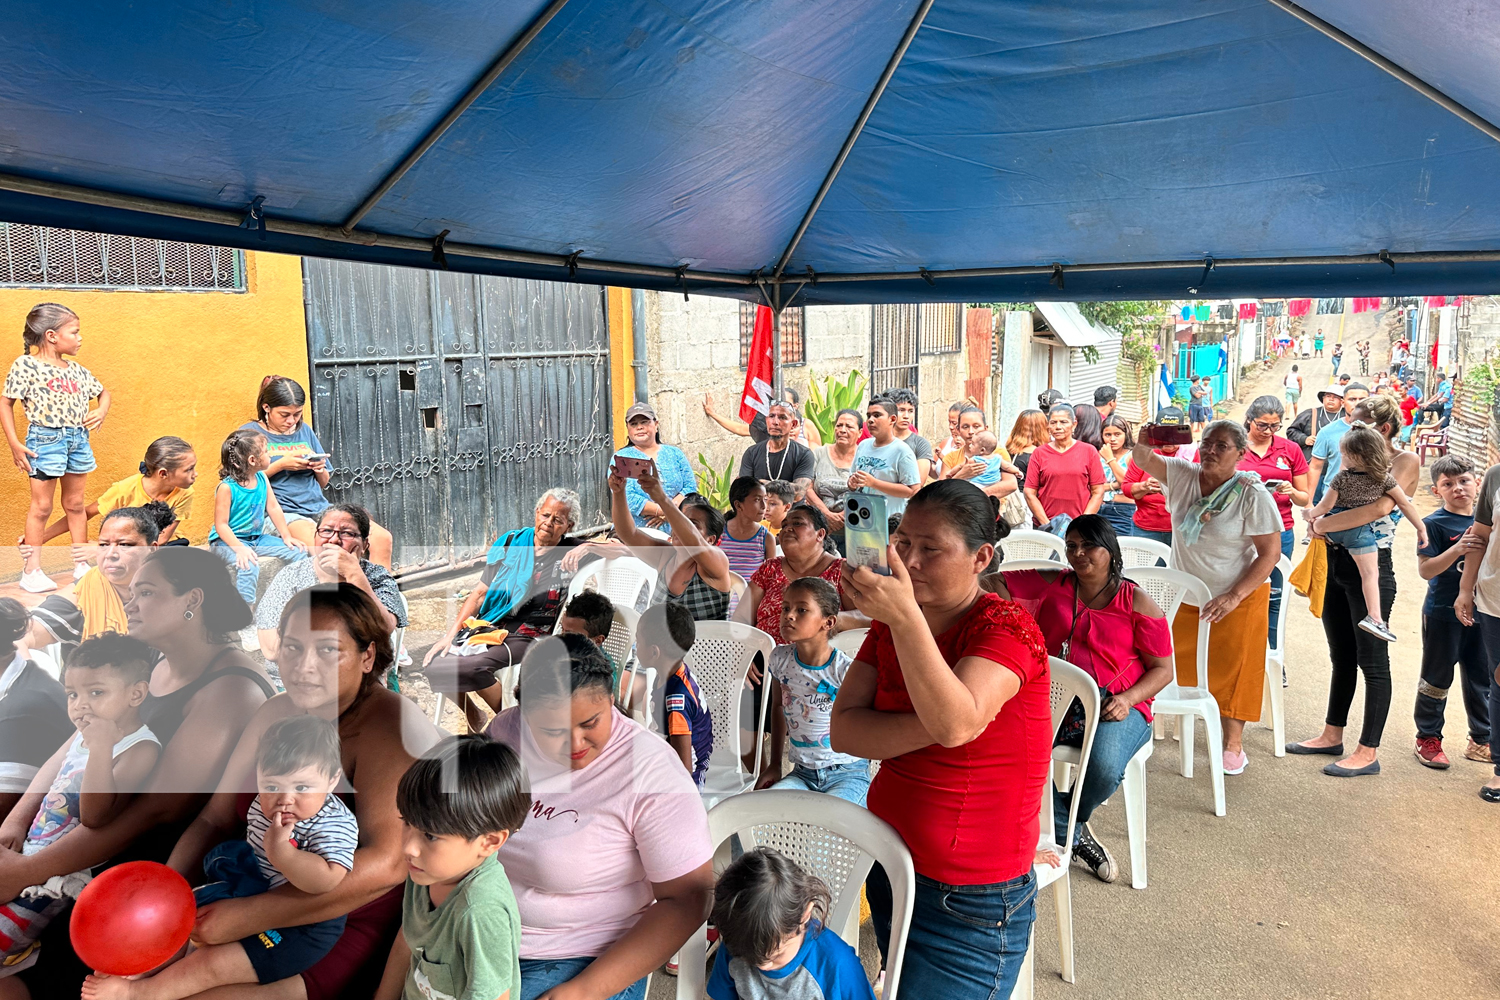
1165 537
850 782
266 546
1288 540
966 942
60 451
1114 744
538 975
1121 517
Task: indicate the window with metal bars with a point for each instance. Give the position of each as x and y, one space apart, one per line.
941 326
73 258
793 336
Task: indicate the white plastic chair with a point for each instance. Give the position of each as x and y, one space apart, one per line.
1144 551
850 640
655 533
835 840
720 660
1044 565
1273 707
627 581
1068 682
739 608
1028 543
1171 588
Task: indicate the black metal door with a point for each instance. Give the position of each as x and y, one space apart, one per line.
450 402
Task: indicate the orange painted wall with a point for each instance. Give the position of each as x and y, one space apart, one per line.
183 363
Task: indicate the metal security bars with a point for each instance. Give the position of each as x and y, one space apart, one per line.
940 327
73 258
893 348
793 335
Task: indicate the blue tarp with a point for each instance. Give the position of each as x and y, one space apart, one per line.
652 136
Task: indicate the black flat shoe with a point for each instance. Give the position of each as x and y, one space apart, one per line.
1489 794
1335 771
1302 751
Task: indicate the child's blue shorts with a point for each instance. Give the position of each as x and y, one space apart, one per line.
59 451
1366 538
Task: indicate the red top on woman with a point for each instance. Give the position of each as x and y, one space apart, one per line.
1150 508
1063 479
772 579
1107 643
1282 460
970 814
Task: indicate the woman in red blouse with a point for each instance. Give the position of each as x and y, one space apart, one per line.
1096 619
803 532
951 693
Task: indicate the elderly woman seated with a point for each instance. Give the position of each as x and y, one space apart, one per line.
522 590
340 554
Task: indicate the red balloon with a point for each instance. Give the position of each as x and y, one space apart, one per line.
132 918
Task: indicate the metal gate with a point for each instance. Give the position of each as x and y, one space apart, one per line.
894 345
450 402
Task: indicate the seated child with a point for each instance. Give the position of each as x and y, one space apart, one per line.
772 942
89 780
665 634
780 495
592 615
460 927
1364 478
805 678
296 831
982 448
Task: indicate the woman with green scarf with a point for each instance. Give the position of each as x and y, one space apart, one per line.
1226 531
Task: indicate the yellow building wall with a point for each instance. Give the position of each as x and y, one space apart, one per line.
183 363
621 320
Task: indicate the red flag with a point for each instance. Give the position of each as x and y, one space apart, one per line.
1248 310
760 370
1298 307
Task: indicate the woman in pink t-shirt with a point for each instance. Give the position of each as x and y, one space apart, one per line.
1103 623
612 869
1065 477
951 693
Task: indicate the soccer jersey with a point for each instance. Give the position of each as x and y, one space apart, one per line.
687 715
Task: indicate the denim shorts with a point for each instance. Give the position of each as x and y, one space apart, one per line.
59 451
850 782
1365 539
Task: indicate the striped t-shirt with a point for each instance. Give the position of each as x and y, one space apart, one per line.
331 833
745 555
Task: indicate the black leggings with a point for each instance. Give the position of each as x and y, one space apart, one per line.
1351 649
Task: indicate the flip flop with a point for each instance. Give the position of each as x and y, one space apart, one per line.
1352 772
1489 794
1302 751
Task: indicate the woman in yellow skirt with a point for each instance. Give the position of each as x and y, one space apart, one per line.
1226 531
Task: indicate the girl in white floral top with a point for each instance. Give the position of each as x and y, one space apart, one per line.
56 392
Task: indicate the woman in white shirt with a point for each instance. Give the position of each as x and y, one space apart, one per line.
1226 531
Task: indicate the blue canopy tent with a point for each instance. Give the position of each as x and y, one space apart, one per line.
833 150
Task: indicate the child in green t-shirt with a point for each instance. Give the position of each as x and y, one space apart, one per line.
460 929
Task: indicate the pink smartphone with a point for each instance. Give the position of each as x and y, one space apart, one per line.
1167 434
634 468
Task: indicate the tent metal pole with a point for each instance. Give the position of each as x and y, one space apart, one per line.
499 66
853 136
776 380
335 234
1416 83
1194 266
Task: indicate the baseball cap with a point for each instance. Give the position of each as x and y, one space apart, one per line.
640 410
1332 390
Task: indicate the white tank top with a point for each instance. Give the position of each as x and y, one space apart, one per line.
1293 382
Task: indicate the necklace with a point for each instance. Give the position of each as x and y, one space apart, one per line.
782 464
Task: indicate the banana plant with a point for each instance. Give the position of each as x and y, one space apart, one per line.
714 484
826 399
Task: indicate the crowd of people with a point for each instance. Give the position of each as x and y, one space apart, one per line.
343 846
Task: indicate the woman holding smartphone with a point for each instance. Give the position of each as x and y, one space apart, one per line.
672 468
1283 468
951 692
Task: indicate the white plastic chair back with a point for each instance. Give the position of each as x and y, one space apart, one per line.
739 607
1045 565
620 643
1171 588
1144 551
1028 543
1070 682
720 660
656 533
627 581
850 640
835 840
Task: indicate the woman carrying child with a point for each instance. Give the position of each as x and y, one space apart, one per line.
806 674
88 782
55 391
1353 651
335 650
613 869
951 692
243 502
299 466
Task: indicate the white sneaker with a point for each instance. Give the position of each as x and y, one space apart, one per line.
79 569
37 582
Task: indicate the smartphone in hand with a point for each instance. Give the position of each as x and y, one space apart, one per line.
634 468
867 534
